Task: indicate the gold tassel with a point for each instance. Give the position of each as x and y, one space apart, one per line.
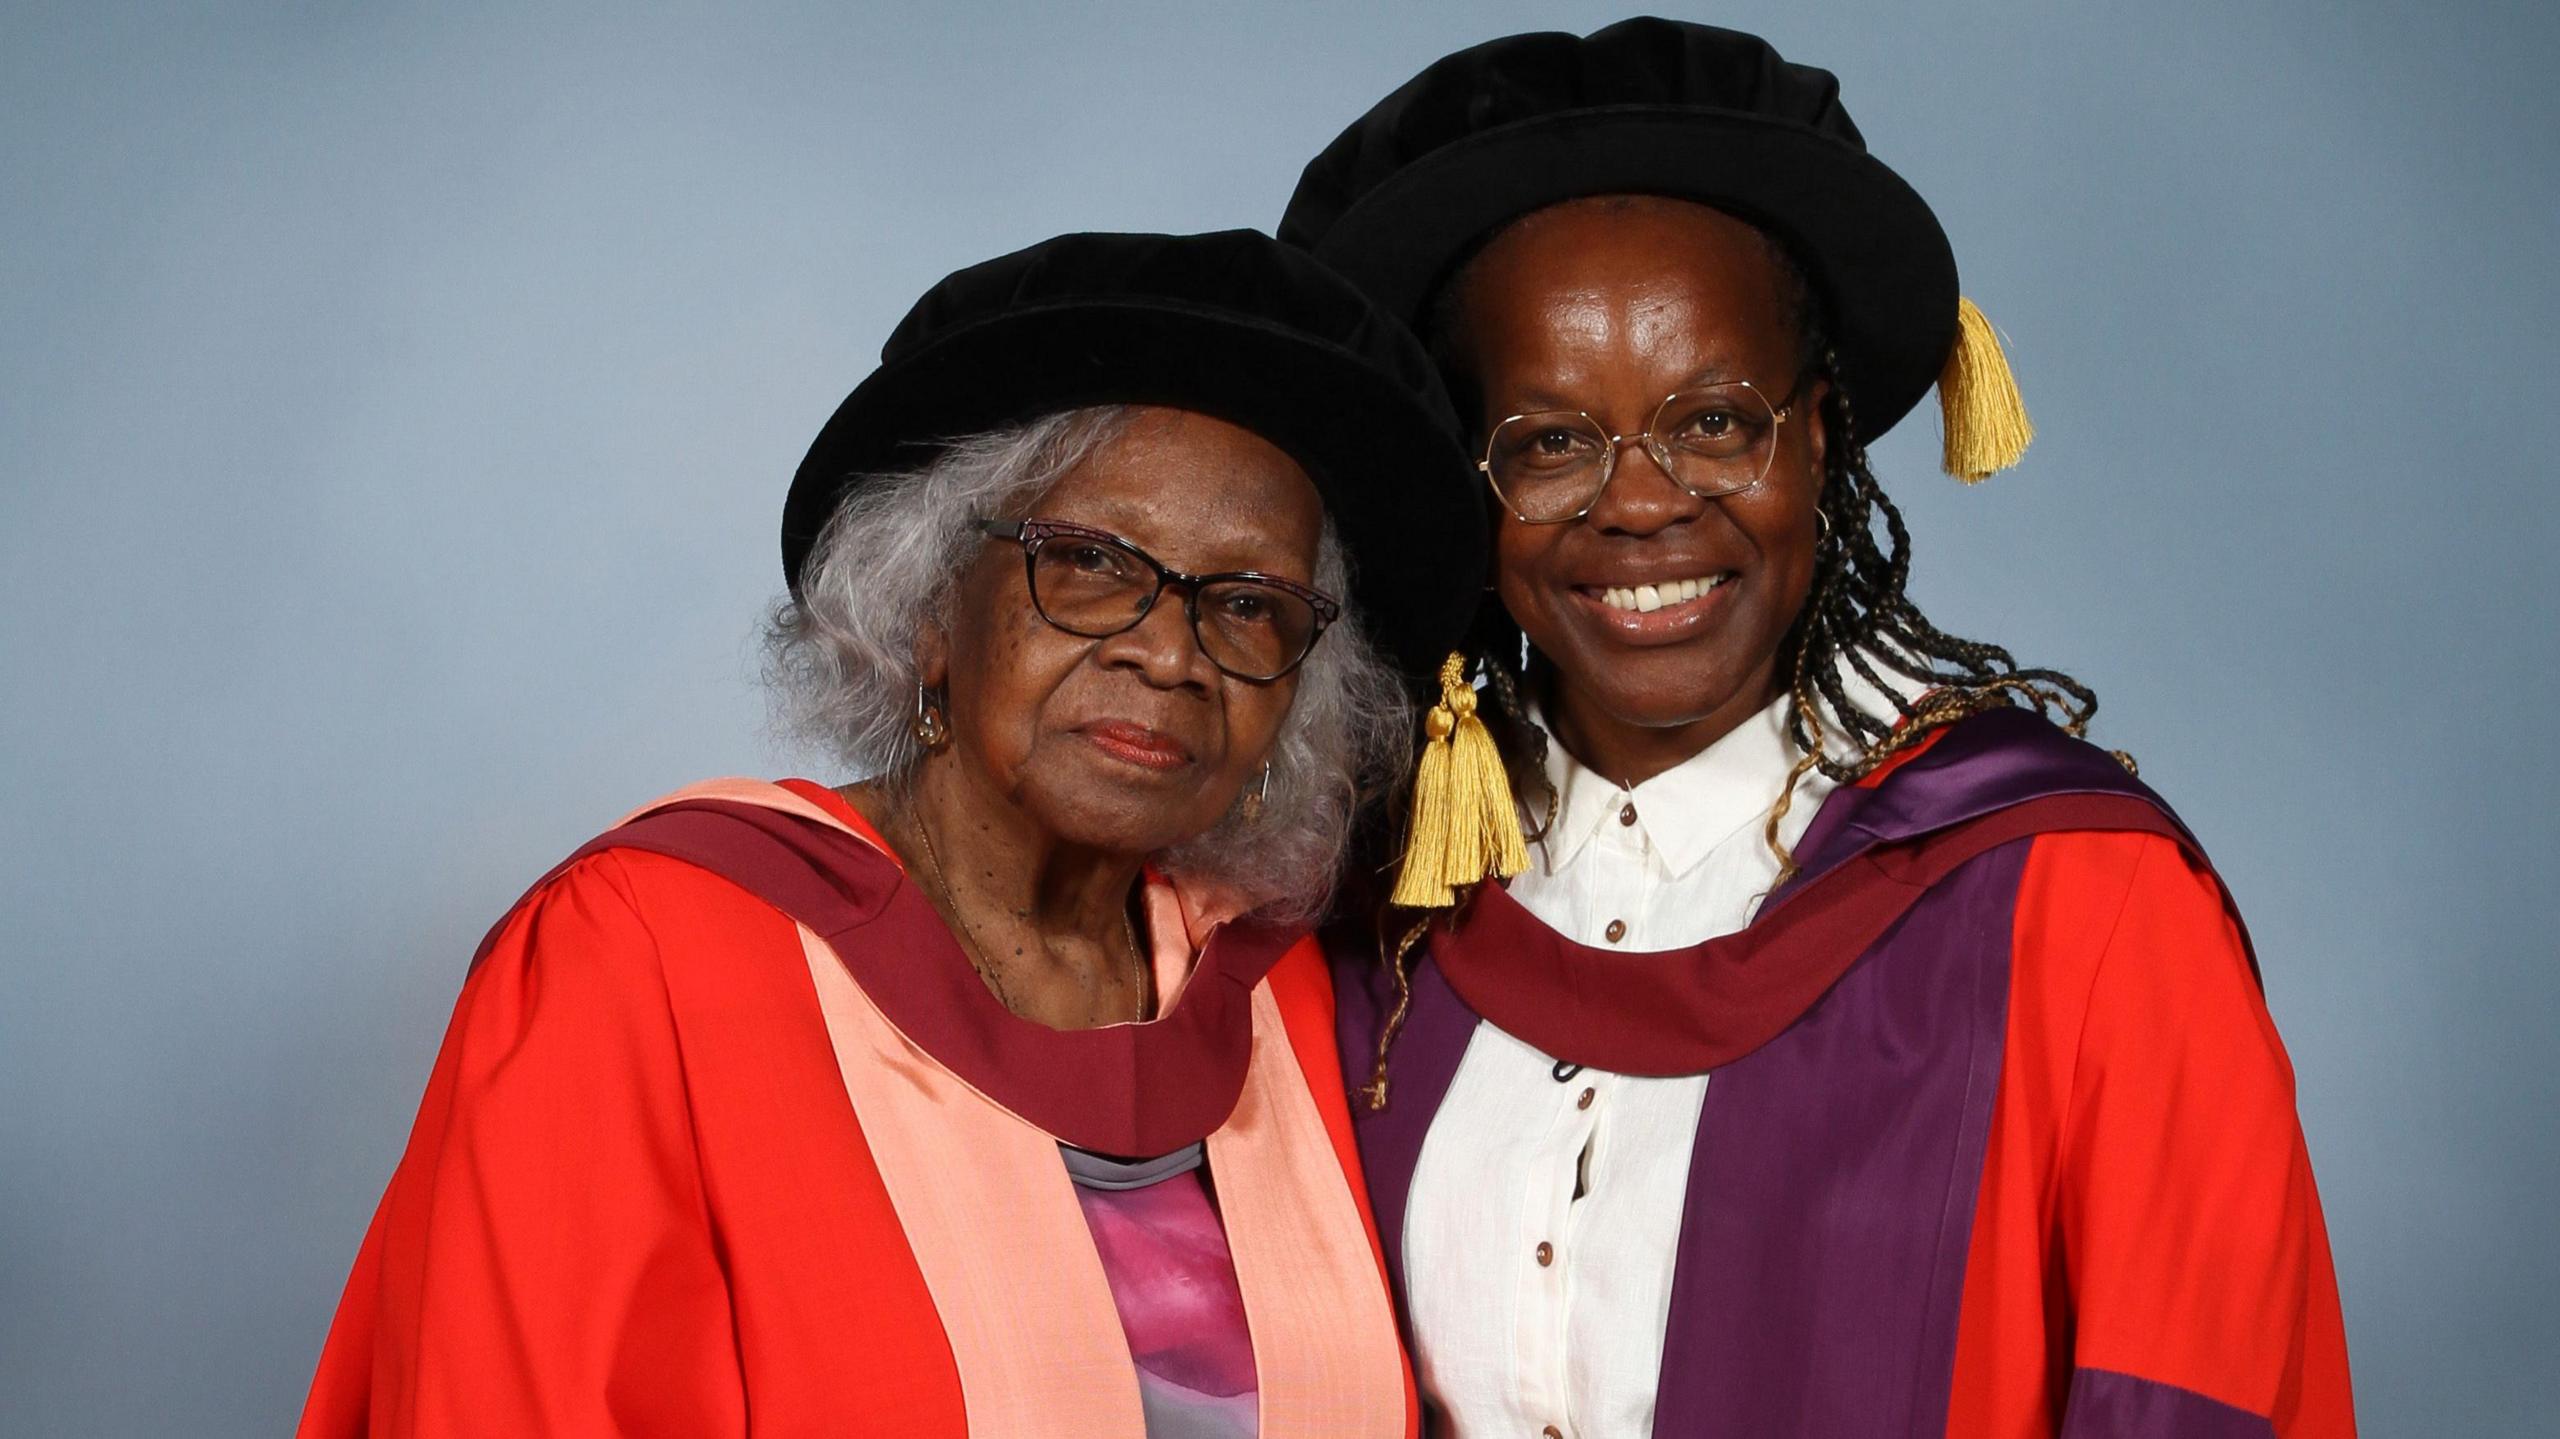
1986 424
1464 826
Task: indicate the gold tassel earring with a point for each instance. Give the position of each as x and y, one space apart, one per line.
1465 828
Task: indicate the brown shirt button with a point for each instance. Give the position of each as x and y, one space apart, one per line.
1616 931
1627 812
1551 1432
1585 1101
1546 1254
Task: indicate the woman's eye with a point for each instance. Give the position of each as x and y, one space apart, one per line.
1717 432
1090 557
1250 608
1556 447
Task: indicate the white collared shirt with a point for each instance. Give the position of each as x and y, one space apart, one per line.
1533 1307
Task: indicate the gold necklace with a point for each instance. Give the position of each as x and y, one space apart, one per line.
987 972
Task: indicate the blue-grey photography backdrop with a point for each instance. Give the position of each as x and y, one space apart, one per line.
396 403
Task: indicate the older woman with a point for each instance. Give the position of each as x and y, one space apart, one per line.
1860 1053
993 1093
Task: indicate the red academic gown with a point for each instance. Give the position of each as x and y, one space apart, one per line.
2000 1139
638 1201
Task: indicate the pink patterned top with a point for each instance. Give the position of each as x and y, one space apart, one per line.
1156 1226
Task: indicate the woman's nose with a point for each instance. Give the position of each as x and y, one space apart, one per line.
1640 497
1162 646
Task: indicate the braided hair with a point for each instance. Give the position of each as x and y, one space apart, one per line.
1858 616
1858 619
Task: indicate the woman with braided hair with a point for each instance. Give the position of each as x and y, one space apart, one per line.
1853 1049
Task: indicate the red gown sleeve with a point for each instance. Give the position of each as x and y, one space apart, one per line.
2200 1291
542 1262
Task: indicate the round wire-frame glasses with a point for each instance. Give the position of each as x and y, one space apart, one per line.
1550 467
1093 584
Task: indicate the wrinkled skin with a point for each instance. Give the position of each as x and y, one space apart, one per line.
1606 306
1071 760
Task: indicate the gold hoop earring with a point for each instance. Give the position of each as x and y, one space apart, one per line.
931 727
1254 800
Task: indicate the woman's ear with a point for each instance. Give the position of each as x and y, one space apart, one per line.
932 657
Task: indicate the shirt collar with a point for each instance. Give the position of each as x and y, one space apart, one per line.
1686 810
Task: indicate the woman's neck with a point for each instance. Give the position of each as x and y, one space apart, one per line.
1047 923
1630 753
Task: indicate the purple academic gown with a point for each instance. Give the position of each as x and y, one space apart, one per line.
1820 1273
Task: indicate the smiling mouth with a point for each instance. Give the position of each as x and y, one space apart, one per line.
1645 599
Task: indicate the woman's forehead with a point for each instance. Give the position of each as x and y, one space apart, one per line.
1196 492
1687 295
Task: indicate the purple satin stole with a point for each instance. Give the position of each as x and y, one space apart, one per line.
1832 1187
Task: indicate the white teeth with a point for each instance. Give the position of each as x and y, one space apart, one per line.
1645 599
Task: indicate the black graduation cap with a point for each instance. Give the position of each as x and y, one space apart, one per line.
1665 107
1231 324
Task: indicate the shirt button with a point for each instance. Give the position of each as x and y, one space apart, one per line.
1546 1254
1551 1432
1616 931
1585 1101
1627 813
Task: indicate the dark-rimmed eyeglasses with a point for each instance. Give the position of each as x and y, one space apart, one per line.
1092 583
1550 466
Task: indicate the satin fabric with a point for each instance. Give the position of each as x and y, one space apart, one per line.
2040 1132
640 1200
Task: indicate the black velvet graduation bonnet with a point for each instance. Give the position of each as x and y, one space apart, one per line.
1402 199
1231 324
1663 107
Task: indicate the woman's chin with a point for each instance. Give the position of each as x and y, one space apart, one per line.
1119 823
1666 693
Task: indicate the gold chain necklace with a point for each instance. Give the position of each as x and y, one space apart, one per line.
977 952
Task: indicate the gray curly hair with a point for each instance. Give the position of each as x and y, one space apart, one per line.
840 660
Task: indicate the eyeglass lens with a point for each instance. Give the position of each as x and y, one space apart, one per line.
1094 587
1713 441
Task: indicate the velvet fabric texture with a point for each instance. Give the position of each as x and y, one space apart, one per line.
1230 324
1646 106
